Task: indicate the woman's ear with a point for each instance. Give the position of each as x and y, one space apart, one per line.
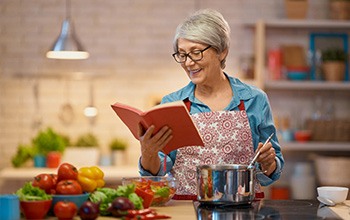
223 55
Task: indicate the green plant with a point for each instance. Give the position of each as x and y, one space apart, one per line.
48 140
118 144
334 54
87 140
23 154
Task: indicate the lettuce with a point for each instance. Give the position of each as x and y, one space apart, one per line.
162 192
31 193
136 200
105 196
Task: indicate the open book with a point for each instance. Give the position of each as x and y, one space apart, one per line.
173 114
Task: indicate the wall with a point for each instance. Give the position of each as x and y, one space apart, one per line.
130 43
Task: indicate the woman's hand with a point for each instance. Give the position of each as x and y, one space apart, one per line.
266 159
151 145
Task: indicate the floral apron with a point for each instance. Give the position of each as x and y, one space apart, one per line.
227 140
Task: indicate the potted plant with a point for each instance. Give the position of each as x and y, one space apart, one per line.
333 64
339 9
48 145
87 140
84 151
25 152
118 147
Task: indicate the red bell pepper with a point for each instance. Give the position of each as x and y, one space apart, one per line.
146 195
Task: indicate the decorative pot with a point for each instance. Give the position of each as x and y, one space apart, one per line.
53 159
81 156
118 157
339 10
296 9
39 160
334 70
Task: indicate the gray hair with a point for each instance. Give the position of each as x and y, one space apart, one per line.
205 26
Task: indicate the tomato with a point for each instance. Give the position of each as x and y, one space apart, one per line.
68 187
65 210
67 171
45 182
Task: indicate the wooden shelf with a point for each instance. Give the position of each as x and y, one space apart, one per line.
316 146
312 23
306 85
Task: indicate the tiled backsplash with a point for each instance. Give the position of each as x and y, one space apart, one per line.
130 43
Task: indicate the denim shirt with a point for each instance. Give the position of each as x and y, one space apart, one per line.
259 114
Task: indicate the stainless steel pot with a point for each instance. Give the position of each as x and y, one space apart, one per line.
225 184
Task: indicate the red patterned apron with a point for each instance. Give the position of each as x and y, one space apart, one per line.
227 140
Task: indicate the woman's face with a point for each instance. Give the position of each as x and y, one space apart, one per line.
207 69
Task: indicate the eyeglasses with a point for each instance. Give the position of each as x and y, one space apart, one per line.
195 55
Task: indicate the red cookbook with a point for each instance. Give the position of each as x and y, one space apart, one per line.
173 114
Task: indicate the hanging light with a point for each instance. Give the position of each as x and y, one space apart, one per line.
67 45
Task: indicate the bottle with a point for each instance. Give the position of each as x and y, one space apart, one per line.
303 181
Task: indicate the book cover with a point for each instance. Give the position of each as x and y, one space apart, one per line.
173 114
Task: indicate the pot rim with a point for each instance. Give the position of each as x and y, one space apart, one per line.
222 167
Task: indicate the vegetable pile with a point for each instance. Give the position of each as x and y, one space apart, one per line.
127 201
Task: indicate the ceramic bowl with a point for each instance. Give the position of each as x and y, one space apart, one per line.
298 73
35 209
297 76
78 200
165 184
302 135
335 193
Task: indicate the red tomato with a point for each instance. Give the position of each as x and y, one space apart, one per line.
54 178
65 210
68 187
67 171
45 182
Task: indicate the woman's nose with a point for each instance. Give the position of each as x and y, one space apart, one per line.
189 61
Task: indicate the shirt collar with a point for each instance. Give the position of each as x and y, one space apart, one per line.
240 90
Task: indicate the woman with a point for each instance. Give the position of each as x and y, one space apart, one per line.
234 118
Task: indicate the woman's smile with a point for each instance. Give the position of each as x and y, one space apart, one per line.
194 72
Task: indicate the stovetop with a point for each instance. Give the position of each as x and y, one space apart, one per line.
265 209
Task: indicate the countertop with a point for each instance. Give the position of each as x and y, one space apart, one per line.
113 175
185 209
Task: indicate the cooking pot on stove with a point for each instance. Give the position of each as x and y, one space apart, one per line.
226 184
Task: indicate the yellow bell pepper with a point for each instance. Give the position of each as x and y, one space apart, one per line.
90 178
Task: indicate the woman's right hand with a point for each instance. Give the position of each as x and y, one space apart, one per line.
151 144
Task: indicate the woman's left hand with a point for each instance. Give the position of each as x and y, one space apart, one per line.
266 158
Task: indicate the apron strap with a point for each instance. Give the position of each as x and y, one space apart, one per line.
188 104
241 106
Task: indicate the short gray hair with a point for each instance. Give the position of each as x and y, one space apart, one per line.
206 26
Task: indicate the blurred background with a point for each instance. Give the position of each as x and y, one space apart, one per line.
276 48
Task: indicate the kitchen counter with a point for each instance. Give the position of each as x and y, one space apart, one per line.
264 209
193 210
12 179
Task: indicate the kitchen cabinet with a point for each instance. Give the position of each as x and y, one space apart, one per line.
301 29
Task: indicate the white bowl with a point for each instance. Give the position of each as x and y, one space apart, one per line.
335 193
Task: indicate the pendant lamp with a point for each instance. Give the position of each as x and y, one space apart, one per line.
67 45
